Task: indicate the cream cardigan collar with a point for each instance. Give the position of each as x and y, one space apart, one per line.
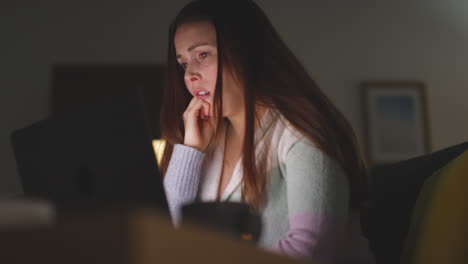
212 168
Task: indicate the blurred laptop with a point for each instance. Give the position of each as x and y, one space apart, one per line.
99 155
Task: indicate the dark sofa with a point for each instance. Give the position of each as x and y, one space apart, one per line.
394 191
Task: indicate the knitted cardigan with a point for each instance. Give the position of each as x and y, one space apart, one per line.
307 212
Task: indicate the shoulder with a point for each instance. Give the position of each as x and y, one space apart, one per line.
305 154
287 137
295 149
292 146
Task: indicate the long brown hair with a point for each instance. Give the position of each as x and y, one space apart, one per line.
272 77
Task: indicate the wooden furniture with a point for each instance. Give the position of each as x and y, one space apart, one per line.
137 236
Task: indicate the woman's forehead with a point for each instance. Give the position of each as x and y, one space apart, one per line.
195 32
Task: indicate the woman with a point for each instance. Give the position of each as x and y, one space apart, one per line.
244 121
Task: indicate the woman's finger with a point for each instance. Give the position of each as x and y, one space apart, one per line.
206 107
201 107
192 103
202 114
193 109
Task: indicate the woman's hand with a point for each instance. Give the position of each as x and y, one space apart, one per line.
198 124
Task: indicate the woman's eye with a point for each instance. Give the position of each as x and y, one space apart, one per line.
203 55
184 65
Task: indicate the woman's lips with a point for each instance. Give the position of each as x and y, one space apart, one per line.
202 94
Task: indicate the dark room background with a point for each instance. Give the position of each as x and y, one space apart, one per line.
341 44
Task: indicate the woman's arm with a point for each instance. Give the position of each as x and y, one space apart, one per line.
182 178
318 202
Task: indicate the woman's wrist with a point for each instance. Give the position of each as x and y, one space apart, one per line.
194 146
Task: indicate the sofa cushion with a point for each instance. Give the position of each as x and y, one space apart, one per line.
439 226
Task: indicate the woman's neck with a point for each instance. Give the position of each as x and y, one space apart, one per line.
236 127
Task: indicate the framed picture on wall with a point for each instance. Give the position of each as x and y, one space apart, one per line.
395 120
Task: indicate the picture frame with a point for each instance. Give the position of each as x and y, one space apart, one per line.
396 125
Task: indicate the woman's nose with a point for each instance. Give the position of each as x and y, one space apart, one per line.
192 74
192 77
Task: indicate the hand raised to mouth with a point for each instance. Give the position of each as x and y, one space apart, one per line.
198 124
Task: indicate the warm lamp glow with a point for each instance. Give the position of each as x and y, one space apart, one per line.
158 147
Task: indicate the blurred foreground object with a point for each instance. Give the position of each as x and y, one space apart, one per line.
25 213
132 236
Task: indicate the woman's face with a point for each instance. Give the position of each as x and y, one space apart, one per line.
197 54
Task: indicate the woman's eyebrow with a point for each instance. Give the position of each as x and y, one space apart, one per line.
196 45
